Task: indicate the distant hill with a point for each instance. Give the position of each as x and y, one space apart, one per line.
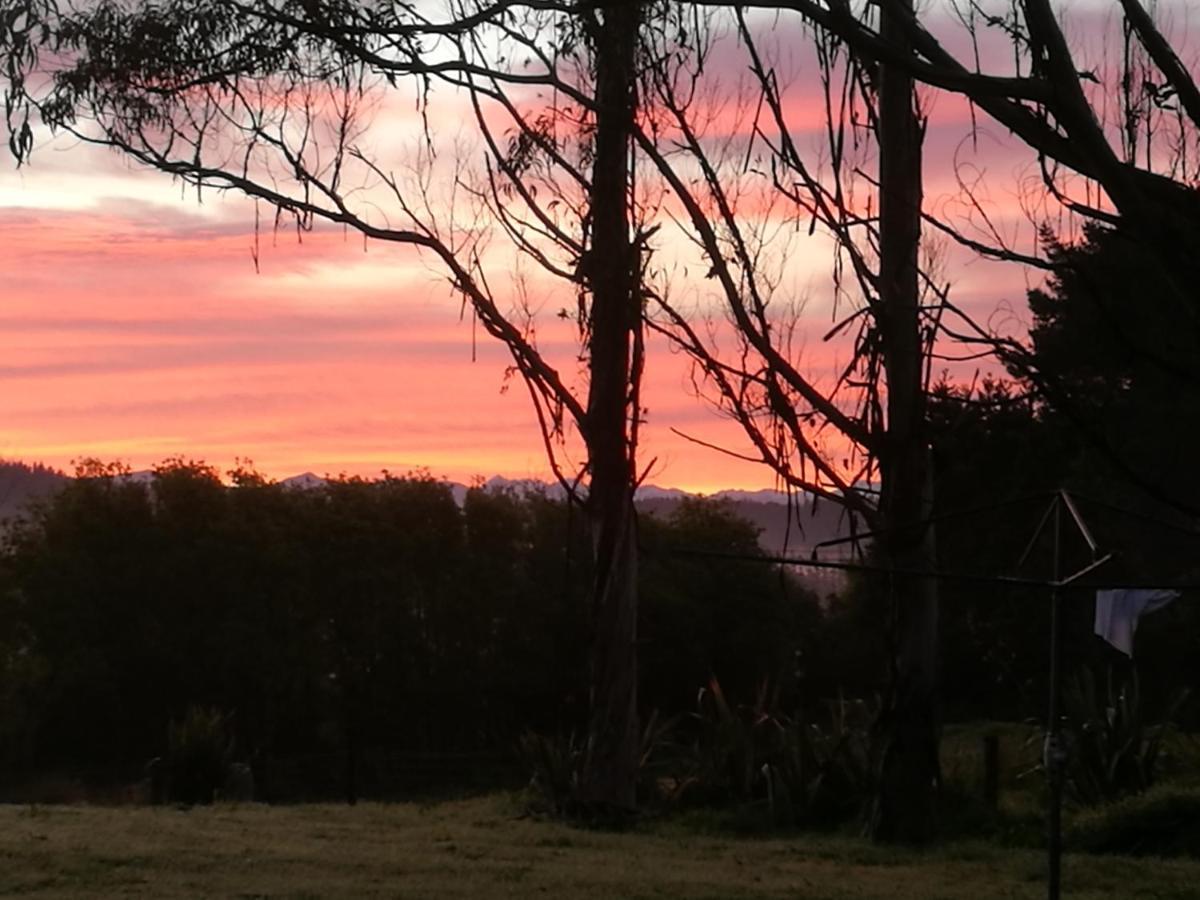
783 531
21 484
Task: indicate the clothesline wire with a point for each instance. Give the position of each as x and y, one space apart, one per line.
1192 531
977 577
940 517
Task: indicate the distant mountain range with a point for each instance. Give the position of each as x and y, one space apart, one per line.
785 529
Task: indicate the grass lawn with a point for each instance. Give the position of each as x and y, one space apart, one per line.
480 847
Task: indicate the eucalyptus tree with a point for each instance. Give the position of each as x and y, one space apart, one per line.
270 99
1102 106
595 124
859 438
1104 98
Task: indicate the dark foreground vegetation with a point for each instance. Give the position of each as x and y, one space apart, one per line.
182 639
316 634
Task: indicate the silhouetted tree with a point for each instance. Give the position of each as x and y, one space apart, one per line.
226 77
1114 364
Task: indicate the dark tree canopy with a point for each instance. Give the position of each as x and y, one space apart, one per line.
375 614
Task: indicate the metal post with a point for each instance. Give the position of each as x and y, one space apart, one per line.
1054 751
1053 756
991 770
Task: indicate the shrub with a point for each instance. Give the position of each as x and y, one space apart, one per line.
556 767
840 752
658 760
1114 750
199 755
800 773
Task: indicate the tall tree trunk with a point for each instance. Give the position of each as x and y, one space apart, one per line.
610 771
908 728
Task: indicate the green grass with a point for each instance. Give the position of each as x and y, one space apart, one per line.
1164 821
481 847
962 756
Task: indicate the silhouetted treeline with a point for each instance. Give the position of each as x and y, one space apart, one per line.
358 619
350 619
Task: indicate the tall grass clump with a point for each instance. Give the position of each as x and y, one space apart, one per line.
776 768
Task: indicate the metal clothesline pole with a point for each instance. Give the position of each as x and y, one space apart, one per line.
1053 752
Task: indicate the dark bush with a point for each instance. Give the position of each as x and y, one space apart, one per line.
791 770
199 756
555 764
1115 751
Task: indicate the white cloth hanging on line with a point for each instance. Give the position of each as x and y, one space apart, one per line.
1117 613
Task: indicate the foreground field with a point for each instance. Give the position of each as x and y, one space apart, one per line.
481 847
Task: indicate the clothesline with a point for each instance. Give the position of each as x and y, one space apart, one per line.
871 568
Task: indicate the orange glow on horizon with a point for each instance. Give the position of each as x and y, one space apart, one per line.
149 335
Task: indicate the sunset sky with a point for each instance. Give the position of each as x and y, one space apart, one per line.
137 328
